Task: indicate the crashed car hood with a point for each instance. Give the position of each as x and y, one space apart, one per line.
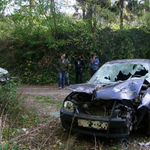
128 89
85 88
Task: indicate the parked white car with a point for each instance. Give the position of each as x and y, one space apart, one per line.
4 76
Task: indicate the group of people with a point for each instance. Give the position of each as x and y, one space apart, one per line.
64 65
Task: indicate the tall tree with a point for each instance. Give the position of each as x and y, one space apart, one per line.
31 7
53 12
89 10
121 13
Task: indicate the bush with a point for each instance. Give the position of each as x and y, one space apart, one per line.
34 59
15 114
9 100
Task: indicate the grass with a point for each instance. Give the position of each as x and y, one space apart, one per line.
16 114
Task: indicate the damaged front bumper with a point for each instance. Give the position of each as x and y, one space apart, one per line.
94 125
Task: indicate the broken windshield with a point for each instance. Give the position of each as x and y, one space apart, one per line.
120 72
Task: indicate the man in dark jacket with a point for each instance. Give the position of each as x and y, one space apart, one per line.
79 65
62 67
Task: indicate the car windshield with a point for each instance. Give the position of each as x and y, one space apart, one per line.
113 72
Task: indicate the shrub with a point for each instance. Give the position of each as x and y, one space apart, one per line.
9 100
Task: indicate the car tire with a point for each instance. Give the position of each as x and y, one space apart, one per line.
147 129
3 83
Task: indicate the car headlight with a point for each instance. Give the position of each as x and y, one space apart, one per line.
3 77
69 106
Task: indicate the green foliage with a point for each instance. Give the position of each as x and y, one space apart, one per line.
34 58
33 39
15 116
8 98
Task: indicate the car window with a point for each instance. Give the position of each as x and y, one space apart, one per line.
121 71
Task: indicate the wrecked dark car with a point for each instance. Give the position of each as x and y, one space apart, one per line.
114 102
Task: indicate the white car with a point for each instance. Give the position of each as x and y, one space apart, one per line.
4 76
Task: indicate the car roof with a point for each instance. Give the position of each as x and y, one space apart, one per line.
129 60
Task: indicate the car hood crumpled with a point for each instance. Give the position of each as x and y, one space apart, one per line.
85 87
126 90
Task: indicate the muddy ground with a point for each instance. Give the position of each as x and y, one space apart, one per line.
51 136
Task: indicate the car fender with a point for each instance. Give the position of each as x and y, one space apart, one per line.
145 100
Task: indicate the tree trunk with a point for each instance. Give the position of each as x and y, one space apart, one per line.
89 15
54 16
31 5
95 21
83 12
121 14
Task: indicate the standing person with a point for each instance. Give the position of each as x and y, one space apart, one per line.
69 65
94 64
62 70
79 65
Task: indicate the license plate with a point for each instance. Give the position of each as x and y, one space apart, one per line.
100 125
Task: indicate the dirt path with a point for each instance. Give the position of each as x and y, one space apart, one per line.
52 91
44 109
